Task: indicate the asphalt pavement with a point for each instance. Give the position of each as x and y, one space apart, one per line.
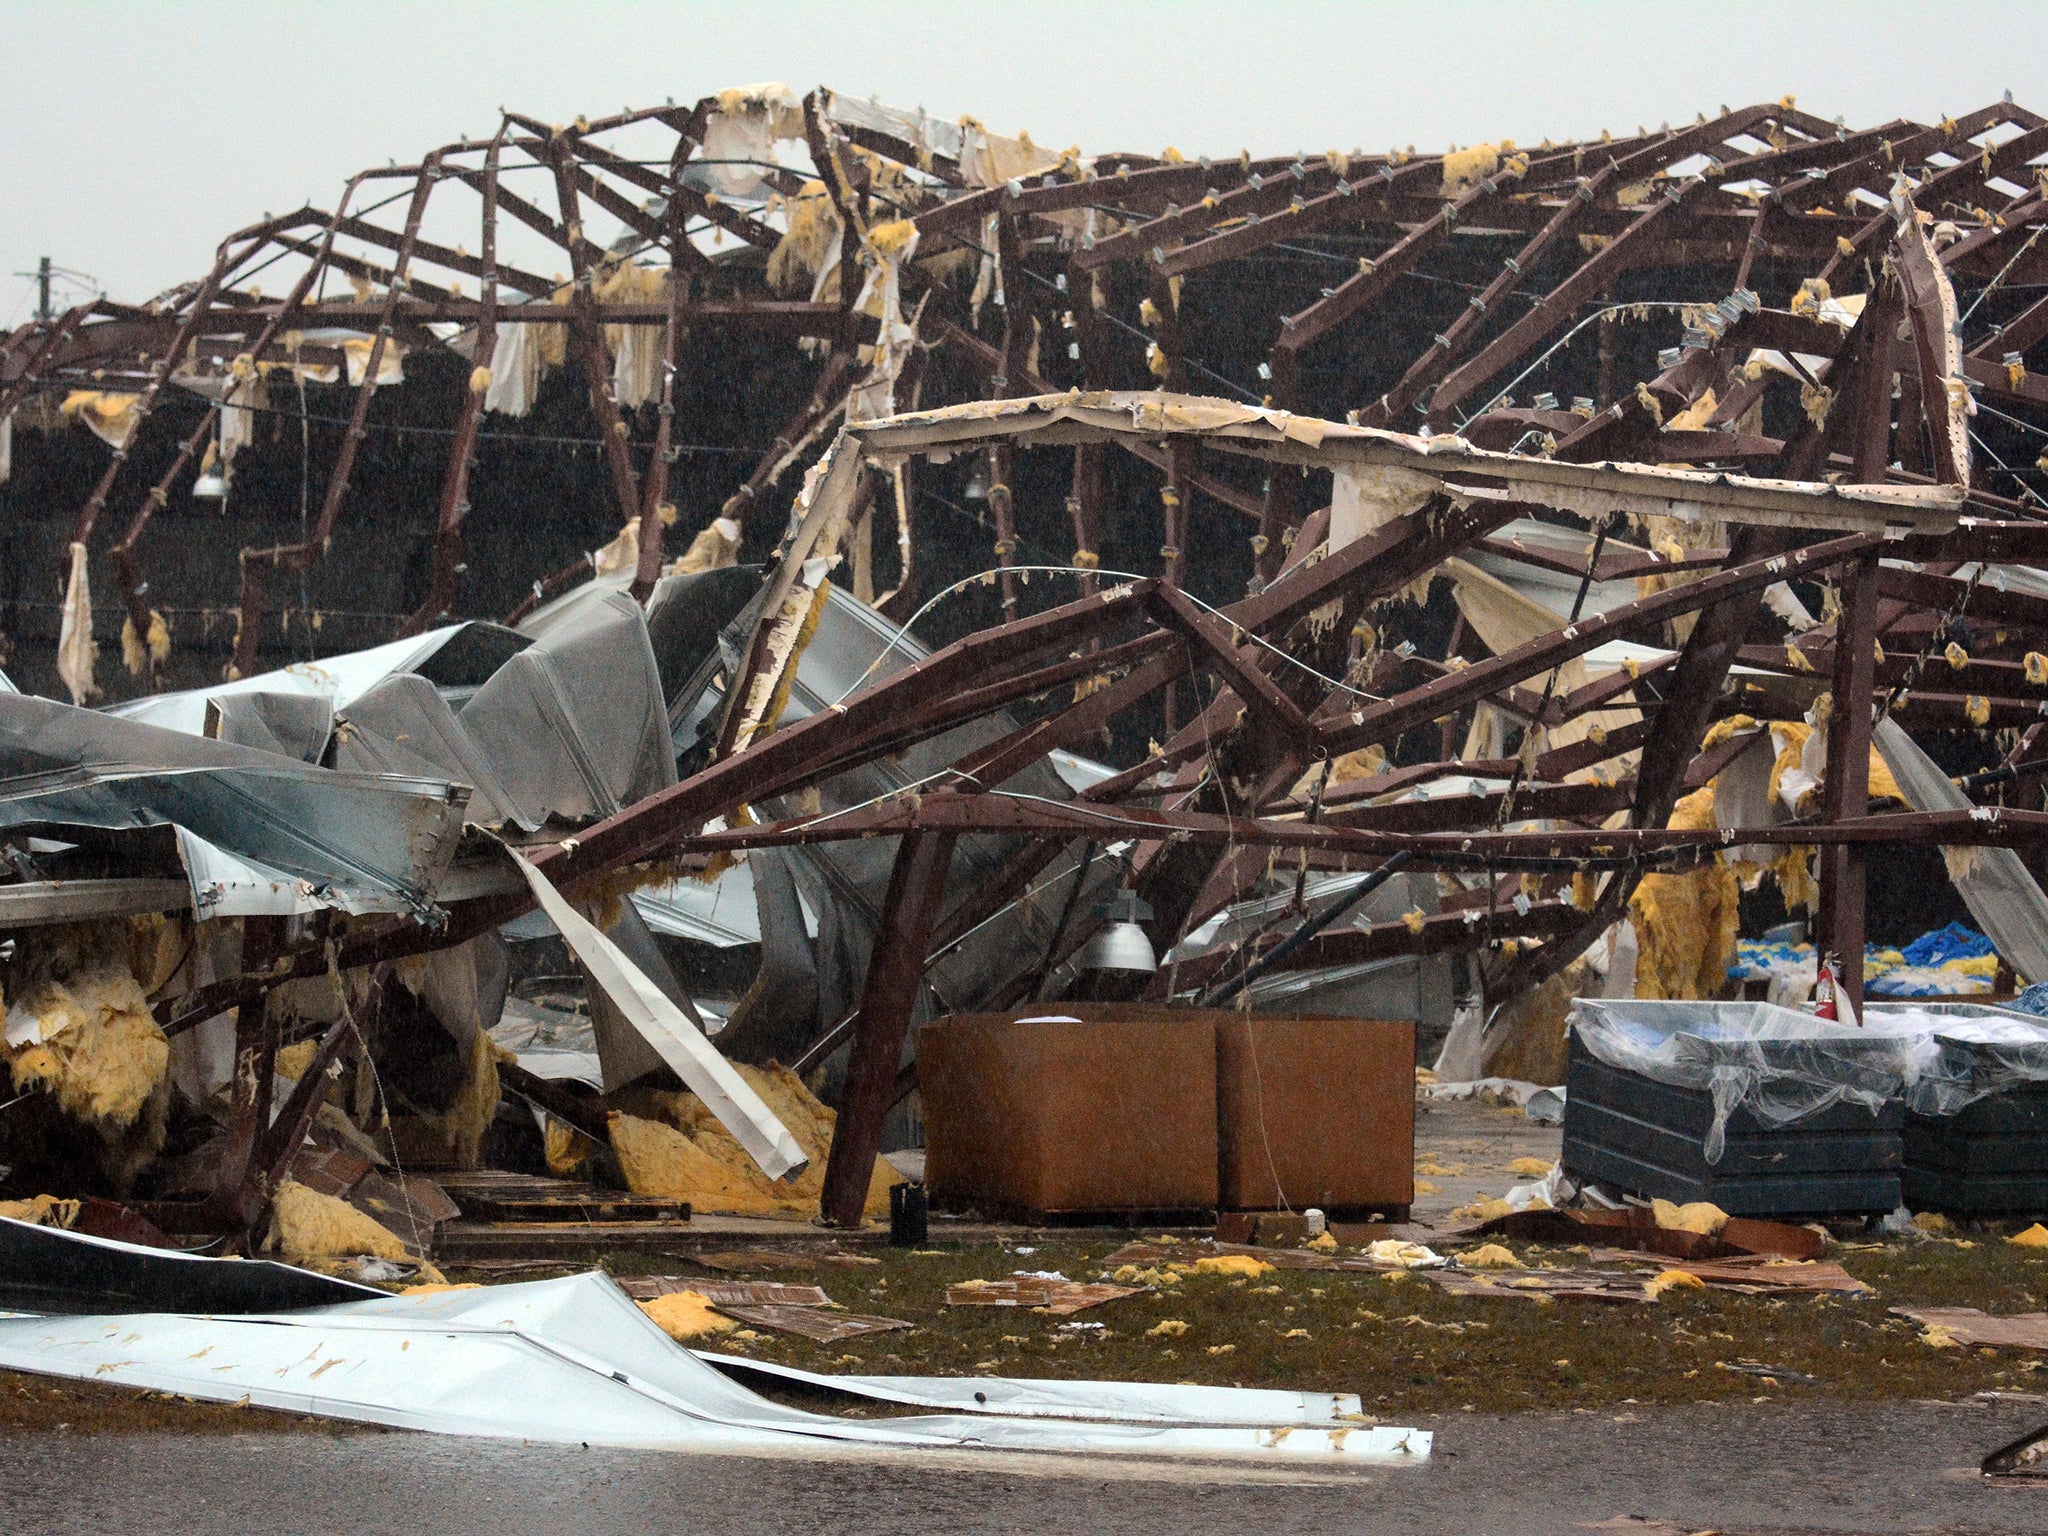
1740 1470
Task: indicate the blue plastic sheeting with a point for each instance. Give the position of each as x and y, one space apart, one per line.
1955 942
2033 1000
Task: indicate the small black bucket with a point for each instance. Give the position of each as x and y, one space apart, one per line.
908 1210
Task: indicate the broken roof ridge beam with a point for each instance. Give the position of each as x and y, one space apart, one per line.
989 359
1380 723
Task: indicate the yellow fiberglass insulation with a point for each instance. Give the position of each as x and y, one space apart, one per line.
138 651
305 1224
814 226
41 1211
1490 1256
463 1123
1685 923
658 1159
1672 1280
685 1315
1526 1039
1466 168
1701 1216
292 1060
567 1149
1232 1264
101 1052
680 1151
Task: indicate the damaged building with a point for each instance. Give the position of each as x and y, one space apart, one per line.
648 667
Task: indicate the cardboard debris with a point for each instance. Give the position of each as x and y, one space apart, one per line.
1062 1298
722 1293
1969 1326
1637 1228
1754 1276
815 1323
739 1261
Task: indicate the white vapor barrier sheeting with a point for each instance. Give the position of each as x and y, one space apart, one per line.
704 1071
569 1361
1133 1401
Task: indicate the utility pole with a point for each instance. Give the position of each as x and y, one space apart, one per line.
43 310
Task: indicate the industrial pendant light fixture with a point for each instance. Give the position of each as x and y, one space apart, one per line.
1121 945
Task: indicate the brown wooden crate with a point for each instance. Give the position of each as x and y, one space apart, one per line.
1315 1112
1051 1118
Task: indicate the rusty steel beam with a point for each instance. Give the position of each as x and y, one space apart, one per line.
895 975
257 564
444 584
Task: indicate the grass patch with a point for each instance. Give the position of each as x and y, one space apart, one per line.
1406 1348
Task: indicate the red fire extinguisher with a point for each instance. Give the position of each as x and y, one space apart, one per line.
1825 991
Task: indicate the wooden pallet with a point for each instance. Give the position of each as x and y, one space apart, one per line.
460 1241
487 1195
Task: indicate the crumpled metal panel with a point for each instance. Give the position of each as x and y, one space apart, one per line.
403 725
456 657
570 1361
575 724
844 882
355 841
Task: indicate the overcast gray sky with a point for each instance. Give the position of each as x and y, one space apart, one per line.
135 135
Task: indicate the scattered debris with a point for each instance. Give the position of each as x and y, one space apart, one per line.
2026 1456
1767 1372
575 1361
1968 1326
1060 1297
826 1327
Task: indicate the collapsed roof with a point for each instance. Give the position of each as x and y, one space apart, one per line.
1809 510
